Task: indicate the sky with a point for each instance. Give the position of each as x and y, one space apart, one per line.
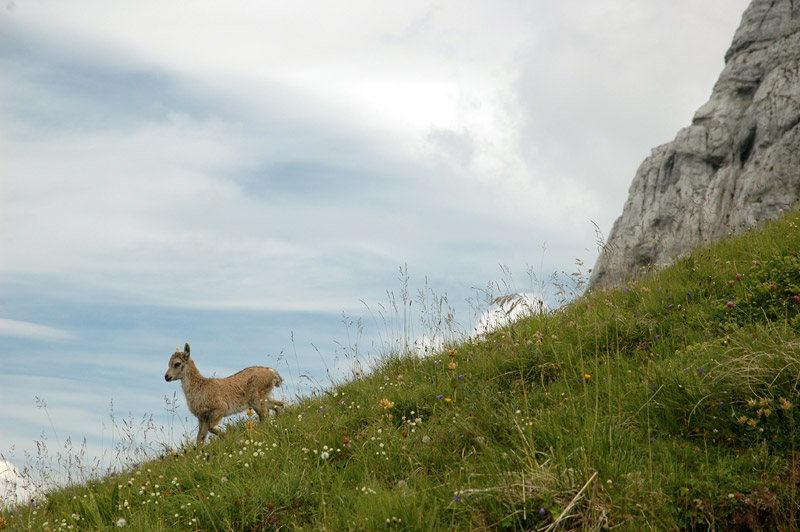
303 184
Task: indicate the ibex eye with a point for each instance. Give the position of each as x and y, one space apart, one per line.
176 365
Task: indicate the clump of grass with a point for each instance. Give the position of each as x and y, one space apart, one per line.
655 406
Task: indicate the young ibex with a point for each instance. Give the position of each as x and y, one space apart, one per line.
212 399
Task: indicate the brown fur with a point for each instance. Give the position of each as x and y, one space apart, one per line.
212 399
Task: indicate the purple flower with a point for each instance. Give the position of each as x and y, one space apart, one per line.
651 386
699 371
656 336
670 306
542 511
439 396
456 498
460 377
435 362
652 439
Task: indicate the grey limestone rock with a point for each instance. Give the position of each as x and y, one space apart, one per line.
736 165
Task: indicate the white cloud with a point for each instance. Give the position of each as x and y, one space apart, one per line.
24 329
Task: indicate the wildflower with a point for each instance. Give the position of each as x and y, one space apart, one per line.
324 455
772 287
452 365
784 403
669 307
385 403
460 377
699 371
121 522
426 439
729 304
542 511
452 353
796 299
731 282
250 412
739 276
587 377
440 396
447 399
652 440
456 497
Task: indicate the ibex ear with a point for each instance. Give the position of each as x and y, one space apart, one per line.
186 350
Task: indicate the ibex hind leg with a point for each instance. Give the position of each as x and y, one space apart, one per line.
276 405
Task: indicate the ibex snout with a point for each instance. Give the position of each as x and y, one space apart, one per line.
167 377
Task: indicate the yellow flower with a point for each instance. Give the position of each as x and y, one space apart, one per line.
452 353
447 399
249 412
587 377
385 403
452 365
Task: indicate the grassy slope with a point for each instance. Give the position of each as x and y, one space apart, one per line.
667 405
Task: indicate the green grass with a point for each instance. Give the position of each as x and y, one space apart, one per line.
669 404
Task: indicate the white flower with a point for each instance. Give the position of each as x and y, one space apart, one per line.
121 522
324 455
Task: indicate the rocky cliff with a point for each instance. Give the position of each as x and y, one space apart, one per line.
738 163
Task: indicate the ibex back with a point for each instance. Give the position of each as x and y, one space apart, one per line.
212 399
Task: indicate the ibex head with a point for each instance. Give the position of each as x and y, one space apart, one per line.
177 364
